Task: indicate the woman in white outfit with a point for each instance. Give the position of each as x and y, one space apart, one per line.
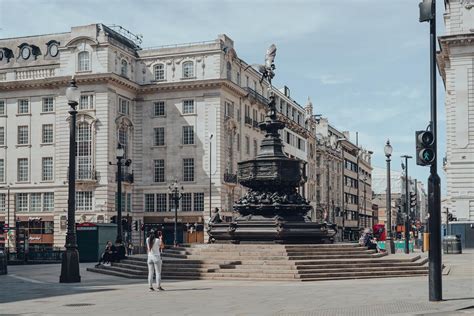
153 246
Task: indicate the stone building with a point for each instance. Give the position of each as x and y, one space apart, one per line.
455 63
166 105
343 190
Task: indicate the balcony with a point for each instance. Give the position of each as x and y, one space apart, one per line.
248 120
254 96
30 74
255 123
230 178
85 174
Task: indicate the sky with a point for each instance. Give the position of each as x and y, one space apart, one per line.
363 63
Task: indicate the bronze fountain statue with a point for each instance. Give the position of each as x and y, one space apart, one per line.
272 210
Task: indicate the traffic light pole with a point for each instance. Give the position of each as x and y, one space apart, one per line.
434 185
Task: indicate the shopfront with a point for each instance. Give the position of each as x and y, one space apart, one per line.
34 233
190 229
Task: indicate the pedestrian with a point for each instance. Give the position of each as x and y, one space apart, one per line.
120 250
130 248
107 255
153 247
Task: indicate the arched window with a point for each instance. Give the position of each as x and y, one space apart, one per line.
229 71
84 62
123 139
159 71
84 170
124 68
188 69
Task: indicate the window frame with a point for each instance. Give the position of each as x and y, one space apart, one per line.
20 104
3 108
21 135
188 170
45 134
44 104
26 174
156 70
47 175
124 68
90 102
187 135
83 64
188 107
82 201
159 175
188 70
157 106
157 140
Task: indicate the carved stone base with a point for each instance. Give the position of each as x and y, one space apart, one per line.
260 229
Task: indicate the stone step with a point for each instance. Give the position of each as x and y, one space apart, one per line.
361 273
352 265
362 269
349 256
116 273
268 253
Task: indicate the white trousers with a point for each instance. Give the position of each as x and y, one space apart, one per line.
154 266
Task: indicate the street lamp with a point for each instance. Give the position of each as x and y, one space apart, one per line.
176 195
120 154
210 175
70 258
343 165
388 197
407 207
8 215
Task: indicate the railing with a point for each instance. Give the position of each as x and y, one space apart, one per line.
84 174
34 73
248 120
49 255
256 96
180 45
230 177
126 177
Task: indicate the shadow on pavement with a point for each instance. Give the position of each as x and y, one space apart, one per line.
194 289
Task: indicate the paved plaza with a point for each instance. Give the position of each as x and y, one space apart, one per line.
34 290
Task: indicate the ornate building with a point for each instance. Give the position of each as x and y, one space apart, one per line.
455 63
187 112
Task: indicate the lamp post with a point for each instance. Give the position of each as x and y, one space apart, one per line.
388 197
343 165
365 203
210 175
176 195
70 258
407 207
120 155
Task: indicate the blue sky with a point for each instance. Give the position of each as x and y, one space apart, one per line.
364 63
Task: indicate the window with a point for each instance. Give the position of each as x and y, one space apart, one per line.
22 135
238 78
159 170
2 202
2 107
255 147
2 170
48 202
188 135
86 102
247 145
124 106
123 139
21 202
83 60
159 139
48 105
22 173
47 134
159 108
186 203
188 169
23 106
84 201
2 136
159 71
161 202
84 152
188 69
188 106
238 142
229 109
35 202
229 71
149 202
47 169
198 202
124 68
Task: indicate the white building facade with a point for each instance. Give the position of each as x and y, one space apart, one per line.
455 62
167 106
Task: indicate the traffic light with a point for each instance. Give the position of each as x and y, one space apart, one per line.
113 219
450 217
425 153
135 225
2 229
426 10
412 199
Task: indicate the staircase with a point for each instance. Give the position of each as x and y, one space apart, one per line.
272 262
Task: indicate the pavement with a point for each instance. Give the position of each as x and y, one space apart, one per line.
35 290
